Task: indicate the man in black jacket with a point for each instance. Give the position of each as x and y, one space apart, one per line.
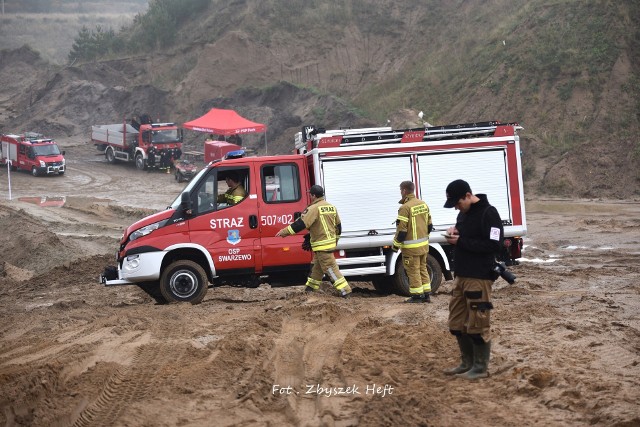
477 237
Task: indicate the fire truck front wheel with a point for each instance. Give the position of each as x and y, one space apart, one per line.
184 281
34 171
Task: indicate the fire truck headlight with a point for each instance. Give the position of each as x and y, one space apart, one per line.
42 164
147 229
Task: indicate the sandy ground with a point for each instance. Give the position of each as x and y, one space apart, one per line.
72 352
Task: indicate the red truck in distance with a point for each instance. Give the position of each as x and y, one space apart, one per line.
149 145
32 152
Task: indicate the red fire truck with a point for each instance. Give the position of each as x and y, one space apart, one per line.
154 145
32 152
199 240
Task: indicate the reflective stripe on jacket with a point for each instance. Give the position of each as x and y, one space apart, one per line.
412 223
233 195
321 219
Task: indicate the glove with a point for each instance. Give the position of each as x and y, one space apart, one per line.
306 244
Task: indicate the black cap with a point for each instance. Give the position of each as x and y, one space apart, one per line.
316 190
456 190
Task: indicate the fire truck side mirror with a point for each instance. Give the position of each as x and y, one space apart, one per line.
185 202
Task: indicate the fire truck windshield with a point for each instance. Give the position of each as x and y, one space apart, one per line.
165 136
176 203
46 150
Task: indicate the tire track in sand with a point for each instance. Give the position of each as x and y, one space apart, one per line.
309 353
131 383
152 365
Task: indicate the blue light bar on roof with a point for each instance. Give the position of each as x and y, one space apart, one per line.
237 154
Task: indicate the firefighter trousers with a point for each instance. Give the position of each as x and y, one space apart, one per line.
325 263
416 269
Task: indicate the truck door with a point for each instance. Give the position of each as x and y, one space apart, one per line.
223 224
23 160
283 197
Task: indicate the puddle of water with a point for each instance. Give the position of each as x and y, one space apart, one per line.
45 201
538 260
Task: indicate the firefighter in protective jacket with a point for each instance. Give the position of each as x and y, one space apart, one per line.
413 226
236 193
323 222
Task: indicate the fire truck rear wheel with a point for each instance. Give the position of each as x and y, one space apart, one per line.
400 280
381 284
110 155
184 281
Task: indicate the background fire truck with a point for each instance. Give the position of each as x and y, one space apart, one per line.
32 152
153 145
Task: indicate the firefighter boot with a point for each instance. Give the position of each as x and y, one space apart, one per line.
345 294
466 356
481 353
418 298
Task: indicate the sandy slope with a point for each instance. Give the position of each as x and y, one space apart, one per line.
75 353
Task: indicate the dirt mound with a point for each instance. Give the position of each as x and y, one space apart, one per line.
29 245
98 98
286 108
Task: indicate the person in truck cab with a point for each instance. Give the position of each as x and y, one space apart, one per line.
236 193
323 222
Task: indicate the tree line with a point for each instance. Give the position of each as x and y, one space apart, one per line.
155 29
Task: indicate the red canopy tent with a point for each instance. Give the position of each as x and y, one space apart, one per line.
224 122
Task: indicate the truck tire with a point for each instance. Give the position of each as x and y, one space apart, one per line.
141 164
184 281
400 280
110 155
435 273
381 285
34 171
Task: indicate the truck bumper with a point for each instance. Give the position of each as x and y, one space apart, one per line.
134 269
50 170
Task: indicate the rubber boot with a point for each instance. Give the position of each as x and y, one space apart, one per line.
466 356
481 354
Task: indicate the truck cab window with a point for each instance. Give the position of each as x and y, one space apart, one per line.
280 183
232 185
223 188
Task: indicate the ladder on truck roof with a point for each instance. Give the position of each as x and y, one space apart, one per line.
366 136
